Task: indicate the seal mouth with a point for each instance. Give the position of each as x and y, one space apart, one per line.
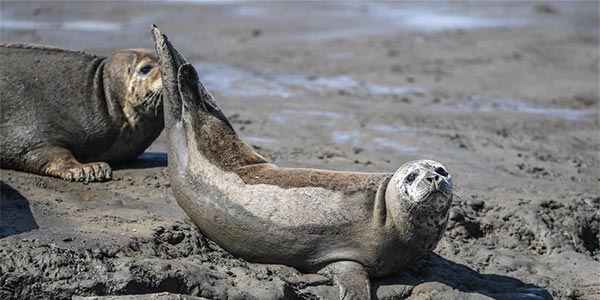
435 192
150 107
440 188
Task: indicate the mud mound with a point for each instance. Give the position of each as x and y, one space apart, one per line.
179 260
176 259
539 227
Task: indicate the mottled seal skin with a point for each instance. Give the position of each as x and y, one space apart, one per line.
346 225
70 114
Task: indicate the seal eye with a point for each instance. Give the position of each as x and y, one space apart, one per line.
441 171
146 69
411 177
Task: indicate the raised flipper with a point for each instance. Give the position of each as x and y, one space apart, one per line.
351 278
59 162
170 61
191 113
181 87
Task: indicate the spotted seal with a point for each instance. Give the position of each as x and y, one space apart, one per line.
69 114
348 226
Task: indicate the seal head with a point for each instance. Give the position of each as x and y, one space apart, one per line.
419 183
420 193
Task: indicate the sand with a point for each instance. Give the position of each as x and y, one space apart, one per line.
505 95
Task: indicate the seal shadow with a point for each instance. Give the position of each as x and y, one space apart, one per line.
444 276
144 161
15 213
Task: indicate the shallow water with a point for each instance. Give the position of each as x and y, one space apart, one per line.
393 144
239 82
481 104
352 138
376 18
390 129
320 117
64 25
380 18
356 138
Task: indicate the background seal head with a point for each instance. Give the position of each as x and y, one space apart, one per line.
133 76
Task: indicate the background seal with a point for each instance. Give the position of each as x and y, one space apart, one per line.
69 114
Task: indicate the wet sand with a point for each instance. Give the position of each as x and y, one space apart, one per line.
506 95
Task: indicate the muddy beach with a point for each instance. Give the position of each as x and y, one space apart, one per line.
506 95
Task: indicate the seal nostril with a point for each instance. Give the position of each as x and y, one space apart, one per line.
429 179
441 171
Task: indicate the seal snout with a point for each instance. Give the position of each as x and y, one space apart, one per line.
434 178
437 178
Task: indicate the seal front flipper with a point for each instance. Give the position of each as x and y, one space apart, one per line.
59 162
351 278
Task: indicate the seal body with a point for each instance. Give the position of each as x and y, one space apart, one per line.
347 225
69 114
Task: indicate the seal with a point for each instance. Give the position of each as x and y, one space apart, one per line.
70 114
349 226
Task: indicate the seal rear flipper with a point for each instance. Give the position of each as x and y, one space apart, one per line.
192 114
170 61
351 278
59 162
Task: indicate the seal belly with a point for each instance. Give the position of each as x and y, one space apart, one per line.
270 224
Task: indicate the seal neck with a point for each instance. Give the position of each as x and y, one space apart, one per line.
113 92
428 222
419 224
